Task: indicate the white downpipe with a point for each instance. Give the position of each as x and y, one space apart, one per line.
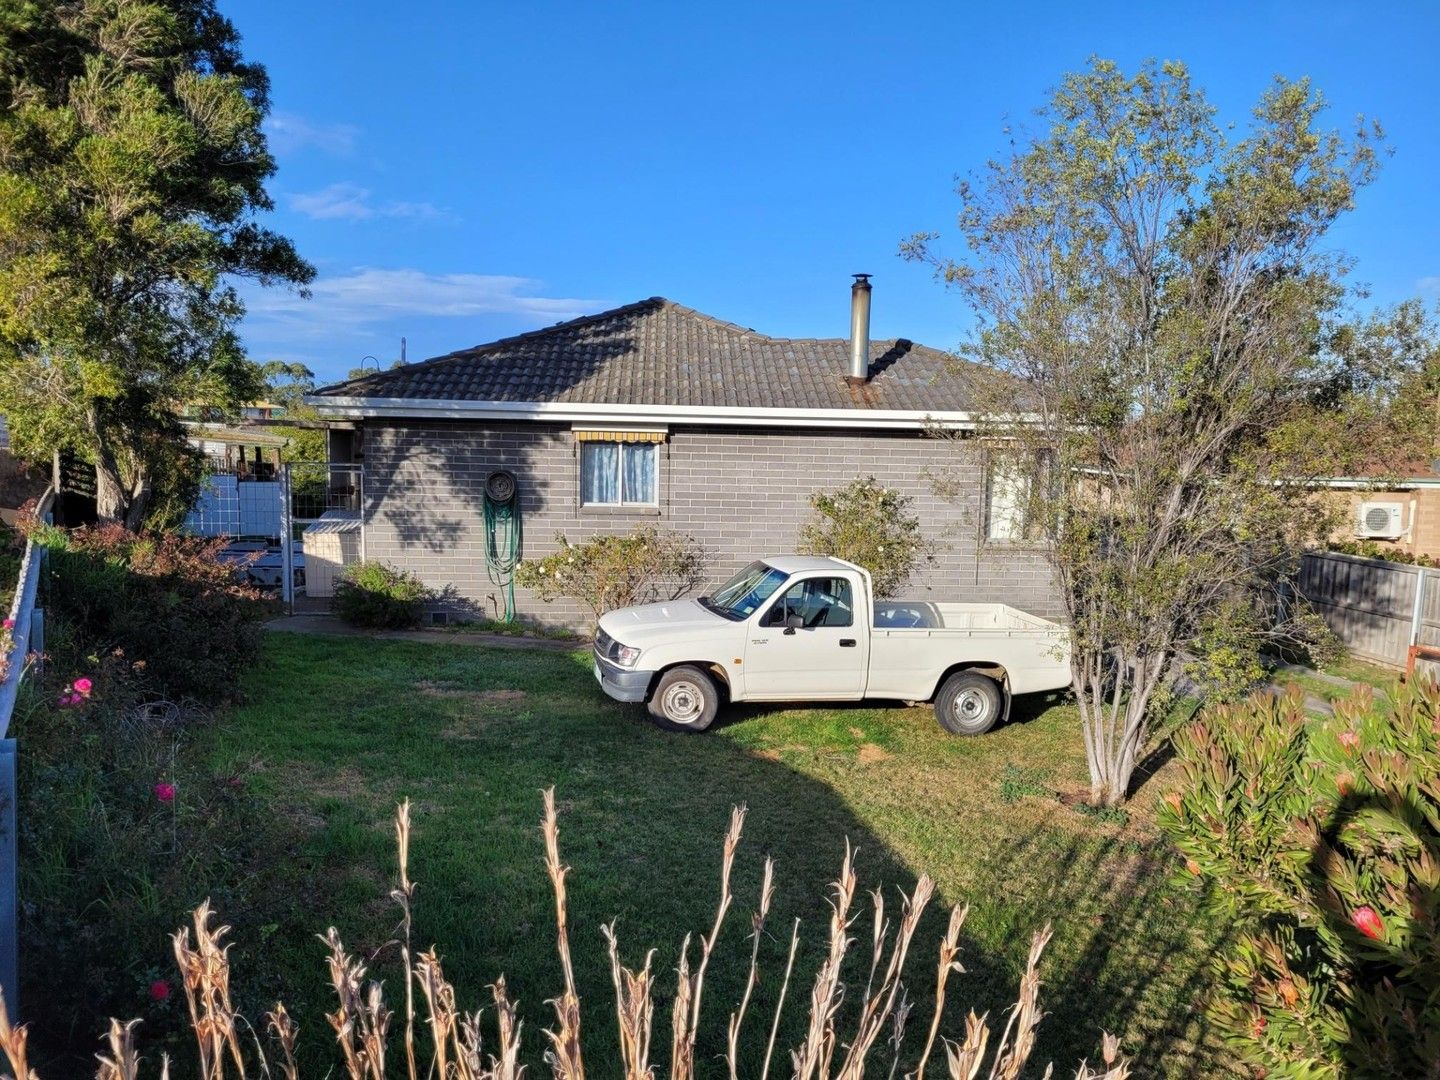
1417 613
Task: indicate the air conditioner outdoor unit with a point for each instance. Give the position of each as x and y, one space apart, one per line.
1379 520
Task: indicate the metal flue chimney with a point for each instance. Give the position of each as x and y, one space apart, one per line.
859 330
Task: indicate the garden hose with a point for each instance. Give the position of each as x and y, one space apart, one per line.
502 536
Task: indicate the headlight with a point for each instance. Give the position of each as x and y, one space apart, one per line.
626 656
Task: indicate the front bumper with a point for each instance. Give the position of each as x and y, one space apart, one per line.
620 683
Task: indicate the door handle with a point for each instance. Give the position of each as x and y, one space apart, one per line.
847 643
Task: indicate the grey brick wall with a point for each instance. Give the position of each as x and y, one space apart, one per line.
742 491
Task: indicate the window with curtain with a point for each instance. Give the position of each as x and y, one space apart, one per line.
619 473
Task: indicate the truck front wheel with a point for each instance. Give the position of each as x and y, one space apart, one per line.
968 704
685 699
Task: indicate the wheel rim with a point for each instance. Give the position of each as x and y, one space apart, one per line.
971 708
682 702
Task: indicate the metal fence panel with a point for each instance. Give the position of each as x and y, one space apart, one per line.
1371 604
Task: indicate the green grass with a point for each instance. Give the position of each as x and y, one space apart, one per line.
1381 679
337 730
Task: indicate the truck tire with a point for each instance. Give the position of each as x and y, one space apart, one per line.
969 704
685 699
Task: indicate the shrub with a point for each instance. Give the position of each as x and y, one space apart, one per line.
871 526
609 572
367 1030
1321 840
170 603
379 596
1370 549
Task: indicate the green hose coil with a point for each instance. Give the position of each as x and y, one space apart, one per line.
502 536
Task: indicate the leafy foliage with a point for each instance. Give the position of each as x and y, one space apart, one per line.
132 165
1370 549
377 595
870 525
170 604
1322 842
609 572
1166 348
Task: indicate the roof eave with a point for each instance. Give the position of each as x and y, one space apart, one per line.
570 412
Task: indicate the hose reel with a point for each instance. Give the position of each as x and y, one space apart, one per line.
502 534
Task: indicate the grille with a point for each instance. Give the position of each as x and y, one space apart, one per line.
604 643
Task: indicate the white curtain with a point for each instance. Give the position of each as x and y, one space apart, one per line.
640 461
599 472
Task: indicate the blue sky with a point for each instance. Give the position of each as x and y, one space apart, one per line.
462 171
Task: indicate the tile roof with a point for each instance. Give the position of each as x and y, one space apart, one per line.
656 352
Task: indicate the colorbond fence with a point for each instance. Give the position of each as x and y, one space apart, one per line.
28 635
1379 609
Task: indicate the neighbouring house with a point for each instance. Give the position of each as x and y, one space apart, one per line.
653 413
1396 514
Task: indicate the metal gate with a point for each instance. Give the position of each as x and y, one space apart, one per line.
322 529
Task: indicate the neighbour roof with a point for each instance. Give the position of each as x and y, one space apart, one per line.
657 352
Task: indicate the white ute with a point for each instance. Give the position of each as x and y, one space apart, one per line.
801 628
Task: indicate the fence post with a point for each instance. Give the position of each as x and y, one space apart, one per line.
9 885
287 553
1417 613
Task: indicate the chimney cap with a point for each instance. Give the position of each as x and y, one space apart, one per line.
862 279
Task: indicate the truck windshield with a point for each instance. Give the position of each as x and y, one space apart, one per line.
739 597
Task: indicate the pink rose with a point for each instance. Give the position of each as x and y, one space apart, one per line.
159 990
84 686
165 792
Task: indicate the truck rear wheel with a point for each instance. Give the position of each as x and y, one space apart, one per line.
685 699
969 704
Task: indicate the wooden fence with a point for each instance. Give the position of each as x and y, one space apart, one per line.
1377 608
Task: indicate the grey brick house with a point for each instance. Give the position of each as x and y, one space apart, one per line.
655 413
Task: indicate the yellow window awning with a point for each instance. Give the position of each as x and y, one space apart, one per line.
621 436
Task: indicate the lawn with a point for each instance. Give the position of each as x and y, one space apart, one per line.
337 730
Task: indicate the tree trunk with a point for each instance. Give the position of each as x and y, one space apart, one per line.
117 501
1115 725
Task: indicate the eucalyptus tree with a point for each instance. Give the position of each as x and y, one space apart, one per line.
132 170
1166 355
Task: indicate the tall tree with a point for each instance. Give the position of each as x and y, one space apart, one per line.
1164 353
132 167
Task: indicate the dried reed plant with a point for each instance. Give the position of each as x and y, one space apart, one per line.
361 1022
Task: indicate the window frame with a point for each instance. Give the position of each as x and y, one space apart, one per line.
623 504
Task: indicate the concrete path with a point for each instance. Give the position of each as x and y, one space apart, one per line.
330 624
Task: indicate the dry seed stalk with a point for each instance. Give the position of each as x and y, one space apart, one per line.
123 1062
361 1021
757 930
1024 1018
12 1042
879 1006
285 1031
812 1056
403 894
564 1052
949 951
205 979
444 1017
964 1059
780 1004
634 1009
507 1065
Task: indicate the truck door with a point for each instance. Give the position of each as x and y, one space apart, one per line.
810 642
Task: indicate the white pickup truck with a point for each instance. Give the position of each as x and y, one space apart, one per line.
801 628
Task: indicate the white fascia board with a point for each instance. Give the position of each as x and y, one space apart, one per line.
591 413
607 414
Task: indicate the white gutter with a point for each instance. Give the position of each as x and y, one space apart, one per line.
589 412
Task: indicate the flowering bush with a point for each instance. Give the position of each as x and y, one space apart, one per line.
870 525
609 572
1322 841
377 595
170 602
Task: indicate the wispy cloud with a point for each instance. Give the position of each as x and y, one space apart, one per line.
1429 285
369 295
289 132
352 202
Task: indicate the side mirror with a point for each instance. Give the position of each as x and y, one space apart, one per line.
793 622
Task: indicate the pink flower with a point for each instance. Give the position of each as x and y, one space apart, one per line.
159 990
165 792
1367 921
1349 740
9 624
84 686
